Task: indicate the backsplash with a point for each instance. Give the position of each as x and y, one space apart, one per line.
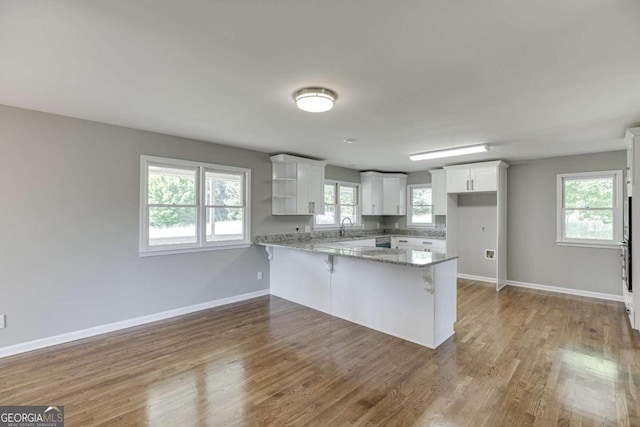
434 233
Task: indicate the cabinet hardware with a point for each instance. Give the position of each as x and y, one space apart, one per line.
403 241
398 209
471 185
427 243
313 207
467 185
373 209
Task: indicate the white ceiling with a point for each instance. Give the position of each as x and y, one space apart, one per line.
531 78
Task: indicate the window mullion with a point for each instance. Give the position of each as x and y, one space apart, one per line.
201 223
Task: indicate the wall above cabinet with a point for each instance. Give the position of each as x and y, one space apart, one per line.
296 185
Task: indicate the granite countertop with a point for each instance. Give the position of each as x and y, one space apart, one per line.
406 257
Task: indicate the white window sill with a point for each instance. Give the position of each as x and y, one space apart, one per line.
421 225
176 251
589 245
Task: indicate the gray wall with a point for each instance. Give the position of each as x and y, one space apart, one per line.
534 256
341 174
477 231
69 221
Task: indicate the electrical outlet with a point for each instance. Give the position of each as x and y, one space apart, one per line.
307 228
259 275
3 321
396 224
377 225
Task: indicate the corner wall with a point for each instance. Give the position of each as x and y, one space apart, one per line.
69 260
534 256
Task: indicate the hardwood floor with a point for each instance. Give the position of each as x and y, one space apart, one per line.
519 357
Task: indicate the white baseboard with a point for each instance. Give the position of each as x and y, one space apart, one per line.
478 278
569 291
547 288
116 326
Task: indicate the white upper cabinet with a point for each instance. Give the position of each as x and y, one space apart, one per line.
371 189
384 193
439 191
394 194
631 138
475 177
297 185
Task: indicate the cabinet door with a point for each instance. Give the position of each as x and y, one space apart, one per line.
629 179
376 195
484 178
458 180
391 196
371 195
365 191
303 198
310 180
439 193
316 189
402 196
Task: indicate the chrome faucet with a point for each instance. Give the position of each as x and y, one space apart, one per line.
342 230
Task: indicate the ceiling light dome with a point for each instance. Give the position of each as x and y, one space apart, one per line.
315 99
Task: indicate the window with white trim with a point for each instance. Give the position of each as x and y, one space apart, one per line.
420 205
191 206
590 208
341 200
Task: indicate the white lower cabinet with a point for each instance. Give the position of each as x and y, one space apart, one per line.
416 243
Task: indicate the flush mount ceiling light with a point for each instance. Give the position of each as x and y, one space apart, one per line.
315 99
450 152
349 140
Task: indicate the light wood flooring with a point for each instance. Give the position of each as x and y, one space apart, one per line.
519 357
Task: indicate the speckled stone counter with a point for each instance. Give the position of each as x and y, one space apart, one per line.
410 294
406 257
353 234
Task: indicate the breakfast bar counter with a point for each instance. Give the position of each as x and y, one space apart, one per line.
406 293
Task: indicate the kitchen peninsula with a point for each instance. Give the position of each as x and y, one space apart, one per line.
404 292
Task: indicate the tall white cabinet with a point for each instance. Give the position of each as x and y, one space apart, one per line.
297 185
383 193
632 298
486 177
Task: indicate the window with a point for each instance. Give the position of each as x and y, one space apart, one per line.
190 206
420 209
589 208
340 201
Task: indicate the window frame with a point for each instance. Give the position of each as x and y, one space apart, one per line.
336 225
561 240
201 244
410 206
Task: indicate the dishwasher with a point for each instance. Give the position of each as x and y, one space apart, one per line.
383 242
